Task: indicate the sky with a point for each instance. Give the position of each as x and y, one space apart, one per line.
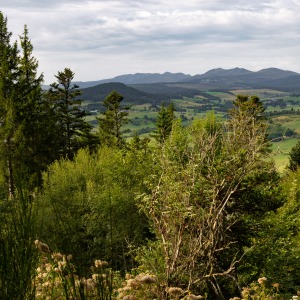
103 39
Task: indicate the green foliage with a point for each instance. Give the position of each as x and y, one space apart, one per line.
37 128
276 131
18 257
294 158
88 206
75 132
9 103
276 249
57 278
110 124
262 290
138 144
164 123
205 170
26 145
247 107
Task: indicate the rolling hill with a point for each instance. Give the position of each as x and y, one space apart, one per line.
138 78
154 86
131 95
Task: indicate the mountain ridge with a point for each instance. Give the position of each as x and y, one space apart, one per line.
169 84
219 75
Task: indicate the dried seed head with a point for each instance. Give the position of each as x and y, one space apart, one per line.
174 291
41 246
95 277
194 297
262 280
57 256
100 263
133 283
147 279
69 257
130 297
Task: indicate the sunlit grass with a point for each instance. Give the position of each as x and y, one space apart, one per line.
281 152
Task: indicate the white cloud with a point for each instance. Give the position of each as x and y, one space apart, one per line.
100 39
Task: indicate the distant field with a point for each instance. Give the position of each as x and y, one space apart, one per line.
281 152
262 93
142 117
222 95
294 123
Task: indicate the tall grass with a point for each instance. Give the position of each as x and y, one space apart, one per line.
18 256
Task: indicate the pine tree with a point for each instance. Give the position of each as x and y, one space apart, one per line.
249 111
9 102
114 117
294 158
34 116
75 131
248 107
27 128
164 123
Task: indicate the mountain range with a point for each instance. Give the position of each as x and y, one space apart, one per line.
215 78
155 87
139 78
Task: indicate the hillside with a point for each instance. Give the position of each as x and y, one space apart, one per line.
243 79
99 92
138 78
169 85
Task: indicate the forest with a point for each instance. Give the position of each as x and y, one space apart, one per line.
194 211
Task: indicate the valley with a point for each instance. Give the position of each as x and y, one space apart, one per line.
282 108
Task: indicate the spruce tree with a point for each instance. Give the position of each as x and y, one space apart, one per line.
112 120
9 103
36 123
294 158
27 128
164 123
74 131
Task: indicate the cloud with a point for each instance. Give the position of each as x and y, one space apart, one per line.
165 34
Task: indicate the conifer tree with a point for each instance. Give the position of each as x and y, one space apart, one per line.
164 123
114 117
74 131
249 111
9 102
25 119
294 158
36 119
245 106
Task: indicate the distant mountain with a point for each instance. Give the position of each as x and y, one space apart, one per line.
190 86
169 85
244 79
131 95
139 78
274 73
215 79
222 72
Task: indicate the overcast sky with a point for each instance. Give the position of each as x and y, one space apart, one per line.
102 39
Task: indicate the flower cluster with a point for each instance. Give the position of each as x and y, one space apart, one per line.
146 286
261 290
56 278
142 286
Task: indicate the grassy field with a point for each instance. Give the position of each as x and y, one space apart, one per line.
223 95
261 93
142 117
291 121
281 152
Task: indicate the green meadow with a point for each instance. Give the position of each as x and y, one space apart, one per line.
281 152
278 104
